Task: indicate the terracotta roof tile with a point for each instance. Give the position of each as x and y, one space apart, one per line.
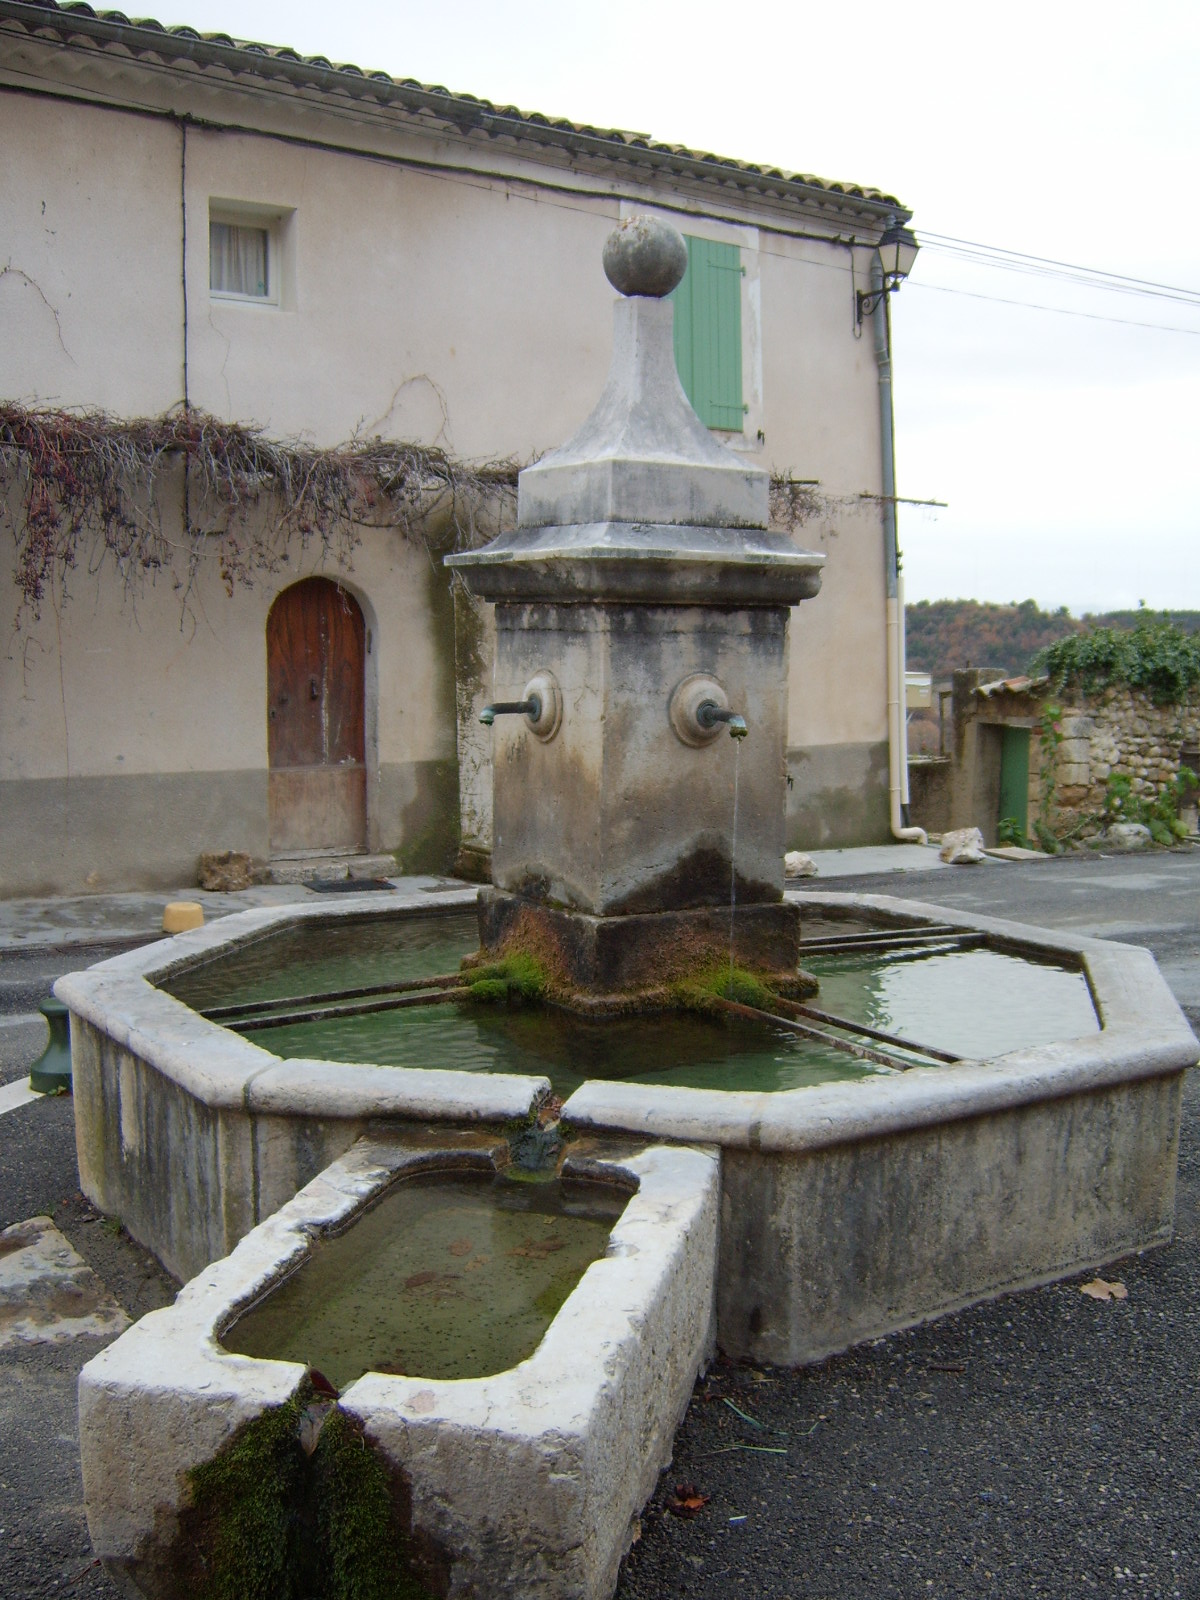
146 36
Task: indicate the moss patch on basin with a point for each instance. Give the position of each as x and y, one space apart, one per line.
517 976
298 1506
689 969
706 990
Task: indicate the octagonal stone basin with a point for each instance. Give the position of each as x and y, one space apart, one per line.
523 1482
849 1207
356 991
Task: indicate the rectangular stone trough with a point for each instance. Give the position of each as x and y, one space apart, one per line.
525 1484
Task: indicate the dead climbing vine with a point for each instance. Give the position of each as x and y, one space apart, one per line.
155 497
794 502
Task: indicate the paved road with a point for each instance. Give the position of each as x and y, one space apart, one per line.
1042 1445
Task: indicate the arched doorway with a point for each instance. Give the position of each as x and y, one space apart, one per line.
317 784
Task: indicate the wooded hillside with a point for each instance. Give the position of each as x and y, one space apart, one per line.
941 635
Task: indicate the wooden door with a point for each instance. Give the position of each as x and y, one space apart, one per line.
315 724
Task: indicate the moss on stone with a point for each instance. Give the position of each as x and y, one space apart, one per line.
269 1520
240 1530
489 991
363 1553
704 990
513 977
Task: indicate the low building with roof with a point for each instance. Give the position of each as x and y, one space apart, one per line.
229 270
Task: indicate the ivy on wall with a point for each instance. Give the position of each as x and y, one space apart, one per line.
1157 657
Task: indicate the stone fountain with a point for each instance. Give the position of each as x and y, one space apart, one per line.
641 613
642 616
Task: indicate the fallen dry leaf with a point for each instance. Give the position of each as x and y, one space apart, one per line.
1101 1289
461 1247
686 1501
550 1110
537 1249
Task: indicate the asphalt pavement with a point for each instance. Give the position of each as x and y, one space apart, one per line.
1045 1444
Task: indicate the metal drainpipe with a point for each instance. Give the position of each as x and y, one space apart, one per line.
897 725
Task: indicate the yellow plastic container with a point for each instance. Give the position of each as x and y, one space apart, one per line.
179 915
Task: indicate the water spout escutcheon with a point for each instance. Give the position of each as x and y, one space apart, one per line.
699 708
541 707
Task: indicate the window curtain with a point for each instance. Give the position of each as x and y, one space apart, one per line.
237 260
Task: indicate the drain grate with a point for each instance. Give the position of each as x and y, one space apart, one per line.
346 885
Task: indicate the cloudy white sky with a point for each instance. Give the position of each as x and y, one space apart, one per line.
1066 446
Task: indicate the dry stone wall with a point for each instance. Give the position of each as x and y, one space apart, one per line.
1120 732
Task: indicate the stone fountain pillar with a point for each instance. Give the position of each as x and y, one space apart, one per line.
640 584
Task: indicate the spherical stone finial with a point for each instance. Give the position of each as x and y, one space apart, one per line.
643 256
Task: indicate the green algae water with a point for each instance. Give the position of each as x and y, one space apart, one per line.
316 956
442 1278
975 1003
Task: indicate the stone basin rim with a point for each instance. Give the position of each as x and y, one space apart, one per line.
1143 1035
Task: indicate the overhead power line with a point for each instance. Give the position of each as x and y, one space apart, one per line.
1037 305
1049 267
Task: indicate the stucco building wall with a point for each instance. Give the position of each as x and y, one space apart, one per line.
425 293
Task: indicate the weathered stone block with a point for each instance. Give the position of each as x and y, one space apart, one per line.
612 955
615 815
1074 750
225 871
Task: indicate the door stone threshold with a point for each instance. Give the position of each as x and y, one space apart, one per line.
304 869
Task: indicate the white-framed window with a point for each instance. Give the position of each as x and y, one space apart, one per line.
245 260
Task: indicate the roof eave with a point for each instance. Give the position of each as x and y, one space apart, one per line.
462 112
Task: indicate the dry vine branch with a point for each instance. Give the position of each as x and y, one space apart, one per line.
85 487
794 502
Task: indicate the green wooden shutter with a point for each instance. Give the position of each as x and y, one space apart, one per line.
708 332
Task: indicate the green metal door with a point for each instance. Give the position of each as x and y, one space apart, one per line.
1014 776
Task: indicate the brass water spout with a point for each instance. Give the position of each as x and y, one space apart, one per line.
541 706
511 708
709 714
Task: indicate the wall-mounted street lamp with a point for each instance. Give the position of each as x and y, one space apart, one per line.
897 251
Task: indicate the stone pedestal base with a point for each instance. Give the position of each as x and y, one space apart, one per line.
610 956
